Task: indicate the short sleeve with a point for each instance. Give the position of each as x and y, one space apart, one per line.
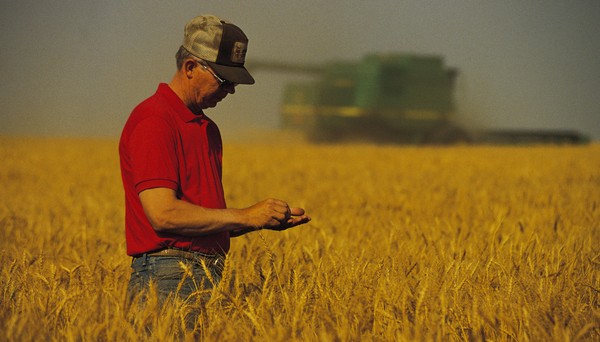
153 147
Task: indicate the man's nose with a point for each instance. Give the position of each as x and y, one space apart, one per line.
229 88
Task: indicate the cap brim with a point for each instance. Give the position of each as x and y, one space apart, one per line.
232 73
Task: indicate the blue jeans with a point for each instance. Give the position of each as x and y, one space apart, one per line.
175 276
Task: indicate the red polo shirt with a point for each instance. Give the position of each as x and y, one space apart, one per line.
165 145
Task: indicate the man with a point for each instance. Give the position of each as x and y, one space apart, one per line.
177 224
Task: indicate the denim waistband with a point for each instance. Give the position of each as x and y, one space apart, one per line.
179 253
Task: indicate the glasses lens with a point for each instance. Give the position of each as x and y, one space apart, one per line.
222 82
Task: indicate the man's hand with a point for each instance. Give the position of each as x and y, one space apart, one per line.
275 215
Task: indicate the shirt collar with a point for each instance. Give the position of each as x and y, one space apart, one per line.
177 104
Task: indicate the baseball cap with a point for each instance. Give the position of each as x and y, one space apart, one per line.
221 44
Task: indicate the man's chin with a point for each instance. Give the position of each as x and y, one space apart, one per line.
211 103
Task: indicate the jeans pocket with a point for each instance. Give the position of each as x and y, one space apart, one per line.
139 278
174 275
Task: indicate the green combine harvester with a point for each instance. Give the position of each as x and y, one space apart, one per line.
391 98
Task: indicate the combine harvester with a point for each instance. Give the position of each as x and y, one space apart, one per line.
392 98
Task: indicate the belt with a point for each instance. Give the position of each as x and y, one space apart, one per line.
178 253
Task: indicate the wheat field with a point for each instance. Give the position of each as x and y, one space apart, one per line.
459 243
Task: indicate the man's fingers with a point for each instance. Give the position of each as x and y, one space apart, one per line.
295 214
296 211
296 220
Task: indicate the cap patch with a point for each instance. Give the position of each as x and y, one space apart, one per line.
238 53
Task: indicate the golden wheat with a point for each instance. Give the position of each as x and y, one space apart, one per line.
406 243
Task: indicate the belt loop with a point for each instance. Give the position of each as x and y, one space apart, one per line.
145 260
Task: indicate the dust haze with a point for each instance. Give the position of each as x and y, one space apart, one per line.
77 68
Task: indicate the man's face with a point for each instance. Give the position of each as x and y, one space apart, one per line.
207 88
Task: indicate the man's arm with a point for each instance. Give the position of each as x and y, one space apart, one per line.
169 214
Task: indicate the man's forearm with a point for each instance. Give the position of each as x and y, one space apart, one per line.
183 218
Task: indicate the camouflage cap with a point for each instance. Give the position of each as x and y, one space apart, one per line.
221 44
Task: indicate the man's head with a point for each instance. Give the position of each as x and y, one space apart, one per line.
210 62
221 45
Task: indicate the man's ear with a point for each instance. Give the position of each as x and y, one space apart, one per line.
188 67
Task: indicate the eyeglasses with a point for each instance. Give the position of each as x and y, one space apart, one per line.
222 82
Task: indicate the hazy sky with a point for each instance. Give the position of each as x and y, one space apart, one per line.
79 67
